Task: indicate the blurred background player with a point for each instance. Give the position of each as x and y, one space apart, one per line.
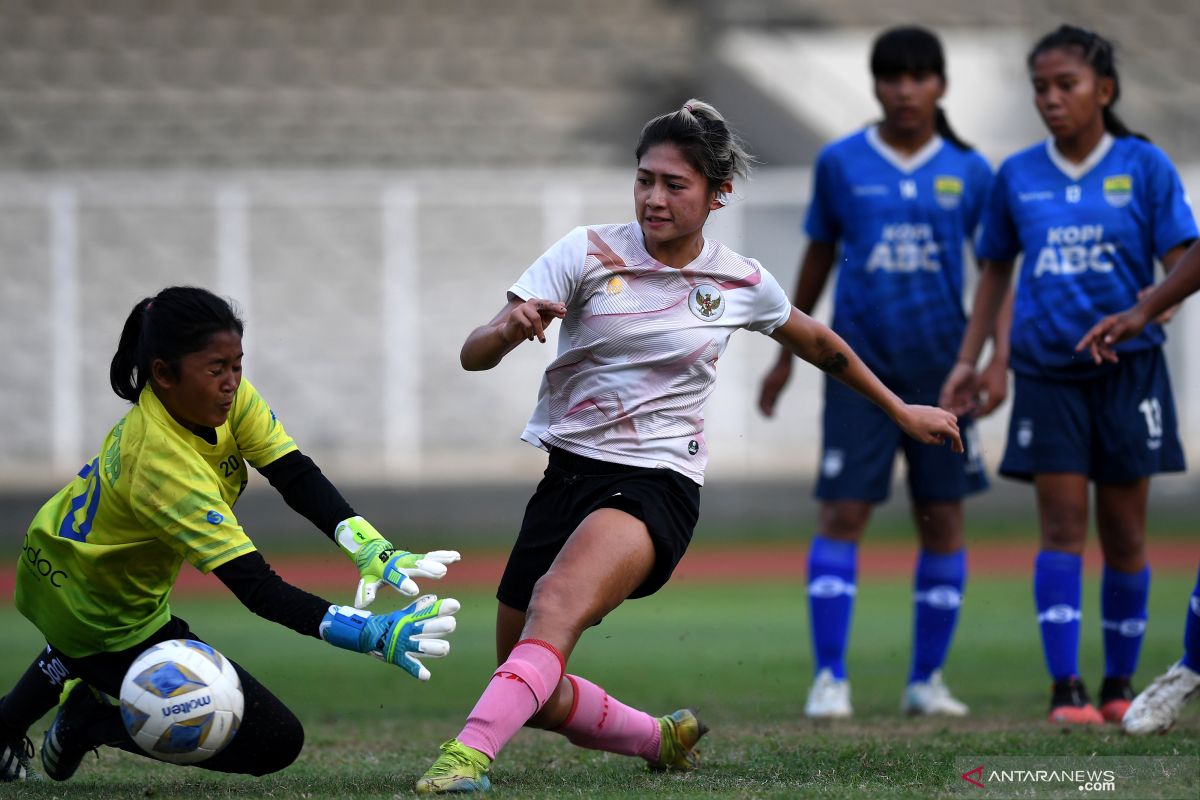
100 558
1090 209
902 197
1158 706
647 309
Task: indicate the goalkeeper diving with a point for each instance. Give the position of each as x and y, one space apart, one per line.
100 558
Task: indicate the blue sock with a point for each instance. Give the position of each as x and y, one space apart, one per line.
832 567
938 583
1191 631
1057 589
1123 598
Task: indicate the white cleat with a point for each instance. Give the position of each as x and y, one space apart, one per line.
931 698
1155 709
829 698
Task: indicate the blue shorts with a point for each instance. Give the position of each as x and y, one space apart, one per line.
859 447
1114 428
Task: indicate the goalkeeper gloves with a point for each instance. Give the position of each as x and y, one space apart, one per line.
400 637
378 562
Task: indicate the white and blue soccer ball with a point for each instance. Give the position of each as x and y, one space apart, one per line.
181 701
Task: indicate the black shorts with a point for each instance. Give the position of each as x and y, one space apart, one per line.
572 488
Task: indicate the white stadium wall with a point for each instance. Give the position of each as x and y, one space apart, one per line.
358 290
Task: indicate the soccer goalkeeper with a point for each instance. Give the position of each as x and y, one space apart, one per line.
100 558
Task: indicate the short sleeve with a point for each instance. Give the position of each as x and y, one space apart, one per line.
1173 222
259 434
182 506
997 239
556 273
823 223
771 308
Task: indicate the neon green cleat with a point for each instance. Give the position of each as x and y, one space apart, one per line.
680 731
458 769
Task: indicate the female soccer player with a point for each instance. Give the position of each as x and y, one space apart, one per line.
1090 208
1156 709
647 309
99 559
902 197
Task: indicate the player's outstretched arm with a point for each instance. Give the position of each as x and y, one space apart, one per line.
820 346
400 638
1183 279
380 563
519 321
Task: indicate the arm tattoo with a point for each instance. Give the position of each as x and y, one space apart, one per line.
830 360
833 362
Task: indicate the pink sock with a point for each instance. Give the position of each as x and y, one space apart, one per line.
518 689
600 722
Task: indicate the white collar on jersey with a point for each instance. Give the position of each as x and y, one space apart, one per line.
906 164
1077 171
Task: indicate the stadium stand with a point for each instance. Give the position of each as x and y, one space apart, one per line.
150 83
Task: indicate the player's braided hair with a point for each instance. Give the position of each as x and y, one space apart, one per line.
1098 53
914 50
177 321
704 139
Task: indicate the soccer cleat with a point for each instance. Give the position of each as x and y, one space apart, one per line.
15 755
931 698
66 742
1115 696
829 698
1070 705
1155 709
458 769
678 734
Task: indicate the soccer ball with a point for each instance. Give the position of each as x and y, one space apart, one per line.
181 701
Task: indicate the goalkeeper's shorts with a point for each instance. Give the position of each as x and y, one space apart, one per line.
572 488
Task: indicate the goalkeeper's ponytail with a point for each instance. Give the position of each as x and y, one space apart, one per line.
177 321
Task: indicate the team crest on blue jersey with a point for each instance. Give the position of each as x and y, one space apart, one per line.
1118 190
948 191
706 302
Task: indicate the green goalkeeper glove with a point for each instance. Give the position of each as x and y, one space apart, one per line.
378 562
400 637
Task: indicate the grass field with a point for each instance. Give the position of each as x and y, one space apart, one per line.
738 653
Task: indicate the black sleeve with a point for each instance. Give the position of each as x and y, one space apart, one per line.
261 590
306 489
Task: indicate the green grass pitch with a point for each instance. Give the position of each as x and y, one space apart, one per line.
737 652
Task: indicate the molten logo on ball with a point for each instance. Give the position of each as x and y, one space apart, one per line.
182 701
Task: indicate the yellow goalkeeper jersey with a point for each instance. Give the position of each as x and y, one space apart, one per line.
101 556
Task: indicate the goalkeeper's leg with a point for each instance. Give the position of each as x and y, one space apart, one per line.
269 737
34 695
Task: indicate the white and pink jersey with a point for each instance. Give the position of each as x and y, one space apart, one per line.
638 350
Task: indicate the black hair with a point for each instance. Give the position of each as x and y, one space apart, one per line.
1098 53
704 139
913 50
177 321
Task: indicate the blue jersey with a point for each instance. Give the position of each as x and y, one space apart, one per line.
1089 233
903 223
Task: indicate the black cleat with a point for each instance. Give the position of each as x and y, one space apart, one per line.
15 755
1070 704
67 742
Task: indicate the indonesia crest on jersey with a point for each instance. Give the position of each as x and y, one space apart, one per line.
638 349
1088 234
